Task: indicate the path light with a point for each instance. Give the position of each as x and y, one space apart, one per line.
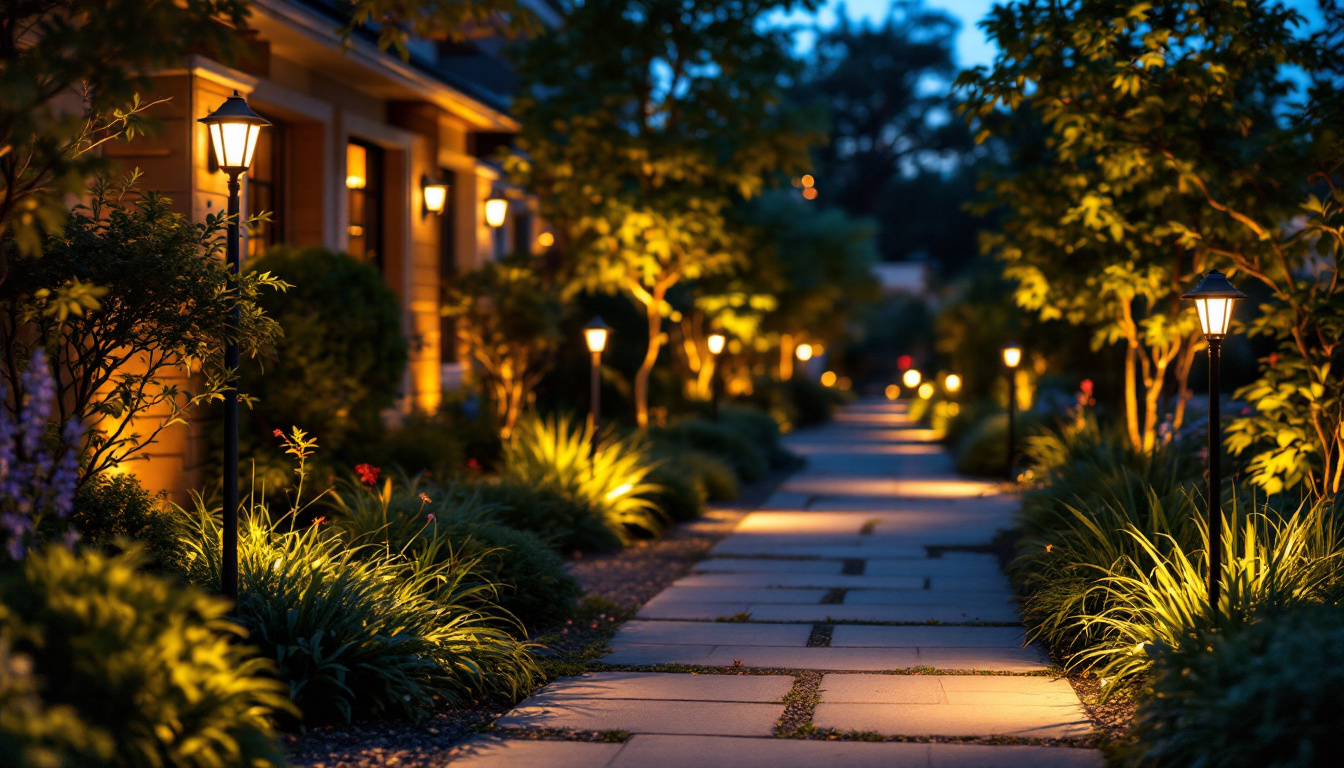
952 383
893 392
234 129
1215 298
595 335
496 211
804 352
925 391
716 342
436 195
912 378
1012 357
828 379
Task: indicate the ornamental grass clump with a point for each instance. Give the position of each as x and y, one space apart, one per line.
556 453
360 629
1157 601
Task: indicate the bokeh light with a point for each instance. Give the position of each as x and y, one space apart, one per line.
912 378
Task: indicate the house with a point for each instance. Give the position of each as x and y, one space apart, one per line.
356 135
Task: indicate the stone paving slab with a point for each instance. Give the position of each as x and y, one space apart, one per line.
766 689
817 580
712 718
719 752
927 637
493 752
691 611
966 705
858 551
758 565
752 595
985 566
966 598
767 657
882 487
706 633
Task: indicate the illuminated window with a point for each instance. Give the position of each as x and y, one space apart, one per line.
364 190
265 189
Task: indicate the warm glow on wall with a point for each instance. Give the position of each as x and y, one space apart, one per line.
804 352
356 166
912 378
828 378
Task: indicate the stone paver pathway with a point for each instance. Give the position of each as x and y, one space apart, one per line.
833 576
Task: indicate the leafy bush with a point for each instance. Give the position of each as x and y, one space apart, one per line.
360 630
719 439
812 402
342 357
983 451
455 526
717 477
562 521
107 509
1267 695
683 493
133 671
1159 599
423 444
556 453
761 429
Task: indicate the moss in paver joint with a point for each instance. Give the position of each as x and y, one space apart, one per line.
869 526
821 636
736 617
799 704
835 596
811 732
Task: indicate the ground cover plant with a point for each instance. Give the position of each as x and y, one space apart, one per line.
105 665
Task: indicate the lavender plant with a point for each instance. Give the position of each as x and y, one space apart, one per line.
38 473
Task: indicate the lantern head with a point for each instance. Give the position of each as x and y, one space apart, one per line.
1214 297
1012 355
595 335
234 129
716 342
496 211
436 195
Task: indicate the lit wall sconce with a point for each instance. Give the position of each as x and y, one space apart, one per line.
436 195
496 211
356 166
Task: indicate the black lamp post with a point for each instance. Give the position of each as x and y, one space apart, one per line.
595 335
716 341
1215 297
234 129
1012 357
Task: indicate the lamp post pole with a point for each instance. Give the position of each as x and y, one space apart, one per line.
595 335
1012 356
1214 298
229 566
1215 476
234 129
716 344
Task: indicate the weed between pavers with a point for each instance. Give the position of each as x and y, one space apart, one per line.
810 732
800 703
821 636
736 617
612 736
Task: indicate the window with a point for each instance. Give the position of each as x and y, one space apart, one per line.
364 187
447 268
265 189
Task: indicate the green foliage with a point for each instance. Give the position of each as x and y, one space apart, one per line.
983 451
343 355
557 453
113 667
455 526
714 474
1268 695
720 440
509 320
161 302
1158 599
684 491
566 523
798 402
428 444
616 108
758 427
109 511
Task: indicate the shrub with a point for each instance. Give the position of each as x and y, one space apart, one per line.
983 451
134 671
556 453
761 429
812 402
565 523
457 527
342 357
719 439
1269 694
423 444
717 477
683 493
108 509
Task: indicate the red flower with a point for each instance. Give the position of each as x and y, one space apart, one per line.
473 465
368 474
278 433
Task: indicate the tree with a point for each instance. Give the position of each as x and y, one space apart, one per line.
158 316
1094 221
642 123
509 320
894 142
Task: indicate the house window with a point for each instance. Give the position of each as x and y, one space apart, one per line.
447 268
364 186
265 190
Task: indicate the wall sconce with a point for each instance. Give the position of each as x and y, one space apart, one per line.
436 195
496 211
356 166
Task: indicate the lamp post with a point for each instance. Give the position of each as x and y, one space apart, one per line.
234 129
595 335
716 342
1012 357
1214 298
496 213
